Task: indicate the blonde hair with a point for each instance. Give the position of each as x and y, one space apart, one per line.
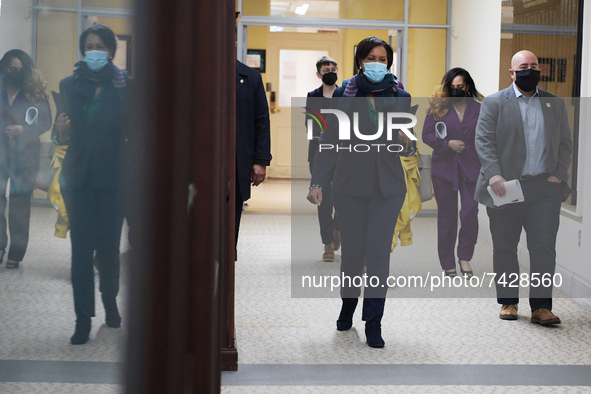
36 87
438 104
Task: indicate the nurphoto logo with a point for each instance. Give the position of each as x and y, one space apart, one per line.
392 119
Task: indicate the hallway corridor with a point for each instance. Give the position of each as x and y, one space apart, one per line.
37 319
290 345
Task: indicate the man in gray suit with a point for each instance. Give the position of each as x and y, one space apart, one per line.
523 133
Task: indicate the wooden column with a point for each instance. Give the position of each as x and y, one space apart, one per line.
181 278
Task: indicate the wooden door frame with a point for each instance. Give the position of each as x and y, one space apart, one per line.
181 277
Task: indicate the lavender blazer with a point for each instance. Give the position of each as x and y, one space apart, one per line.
445 162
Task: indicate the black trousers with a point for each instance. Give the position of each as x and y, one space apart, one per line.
22 183
96 219
367 228
539 215
326 219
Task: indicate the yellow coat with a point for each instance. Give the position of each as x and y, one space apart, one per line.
412 202
54 194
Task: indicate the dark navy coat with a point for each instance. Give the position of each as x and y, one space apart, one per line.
358 174
253 130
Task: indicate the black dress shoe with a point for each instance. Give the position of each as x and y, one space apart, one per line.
345 321
112 318
82 332
373 333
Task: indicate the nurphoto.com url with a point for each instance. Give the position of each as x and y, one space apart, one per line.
432 282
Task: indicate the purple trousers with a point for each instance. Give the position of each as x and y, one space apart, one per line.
447 220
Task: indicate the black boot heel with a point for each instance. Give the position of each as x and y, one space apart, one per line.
112 318
373 333
345 321
82 332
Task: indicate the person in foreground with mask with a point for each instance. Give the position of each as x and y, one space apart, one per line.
92 123
368 186
24 116
523 133
454 111
319 98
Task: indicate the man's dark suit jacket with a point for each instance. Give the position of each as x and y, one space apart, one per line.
500 139
253 130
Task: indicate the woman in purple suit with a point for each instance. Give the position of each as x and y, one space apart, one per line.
449 129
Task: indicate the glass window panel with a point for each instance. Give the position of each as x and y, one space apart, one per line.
127 4
428 11
426 60
548 29
57 46
295 77
344 9
59 3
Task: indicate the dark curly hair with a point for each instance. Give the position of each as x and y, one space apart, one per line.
35 86
439 103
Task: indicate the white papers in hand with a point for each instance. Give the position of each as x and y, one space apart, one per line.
512 195
31 116
440 130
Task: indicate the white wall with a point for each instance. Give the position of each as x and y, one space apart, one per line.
572 254
476 41
16 26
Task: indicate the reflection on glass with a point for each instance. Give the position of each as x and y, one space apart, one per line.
428 11
56 46
126 4
36 297
59 3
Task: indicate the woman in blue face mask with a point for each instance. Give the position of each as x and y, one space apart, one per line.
92 112
24 116
368 186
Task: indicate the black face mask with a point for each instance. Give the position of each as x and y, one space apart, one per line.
16 78
329 78
457 93
527 80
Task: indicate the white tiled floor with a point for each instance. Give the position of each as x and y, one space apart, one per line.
276 328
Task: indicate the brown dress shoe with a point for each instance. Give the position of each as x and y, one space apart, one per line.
328 253
544 317
508 312
336 240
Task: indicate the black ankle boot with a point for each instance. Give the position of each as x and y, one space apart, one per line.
373 333
113 319
82 331
345 320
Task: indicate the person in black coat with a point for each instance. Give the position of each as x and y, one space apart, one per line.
368 186
92 122
253 135
319 98
24 116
